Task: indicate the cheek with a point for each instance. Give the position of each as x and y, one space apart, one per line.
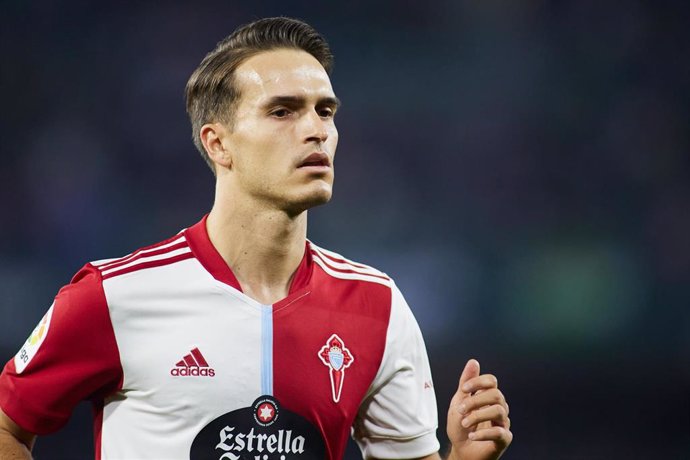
259 151
332 140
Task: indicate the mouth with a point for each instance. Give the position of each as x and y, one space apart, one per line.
316 160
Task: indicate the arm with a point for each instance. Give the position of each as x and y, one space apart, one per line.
43 383
399 419
478 424
15 442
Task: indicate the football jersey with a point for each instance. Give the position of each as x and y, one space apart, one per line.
180 364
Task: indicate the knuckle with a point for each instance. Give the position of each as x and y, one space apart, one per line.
496 432
501 411
490 380
470 404
501 396
505 435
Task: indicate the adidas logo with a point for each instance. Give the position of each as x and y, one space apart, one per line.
194 364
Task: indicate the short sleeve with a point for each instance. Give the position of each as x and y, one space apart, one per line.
398 418
69 357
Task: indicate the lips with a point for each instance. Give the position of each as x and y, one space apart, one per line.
315 159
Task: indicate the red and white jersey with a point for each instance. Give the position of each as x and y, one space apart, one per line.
180 364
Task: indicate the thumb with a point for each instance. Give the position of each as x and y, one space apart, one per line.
456 432
471 371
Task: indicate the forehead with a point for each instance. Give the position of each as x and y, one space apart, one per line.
282 72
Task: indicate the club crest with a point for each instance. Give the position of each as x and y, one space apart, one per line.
337 358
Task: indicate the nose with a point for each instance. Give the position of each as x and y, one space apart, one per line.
316 129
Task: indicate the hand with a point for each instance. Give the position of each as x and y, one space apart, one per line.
478 424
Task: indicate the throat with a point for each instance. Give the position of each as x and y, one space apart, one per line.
263 248
266 276
265 294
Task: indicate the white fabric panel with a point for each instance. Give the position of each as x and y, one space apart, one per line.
159 315
399 418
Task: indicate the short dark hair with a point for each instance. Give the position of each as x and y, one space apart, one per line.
211 90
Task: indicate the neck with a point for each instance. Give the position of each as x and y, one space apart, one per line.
262 246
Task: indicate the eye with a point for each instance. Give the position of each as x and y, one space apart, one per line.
280 113
326 112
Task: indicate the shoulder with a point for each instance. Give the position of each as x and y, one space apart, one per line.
337 266
373 283
165 252
88 281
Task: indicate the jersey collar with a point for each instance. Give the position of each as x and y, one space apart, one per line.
208 256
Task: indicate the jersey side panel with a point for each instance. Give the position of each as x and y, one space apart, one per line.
190 348
327 350
76 358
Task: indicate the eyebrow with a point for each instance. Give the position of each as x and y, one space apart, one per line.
300 101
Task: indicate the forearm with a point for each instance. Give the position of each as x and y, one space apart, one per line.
450 455
11 448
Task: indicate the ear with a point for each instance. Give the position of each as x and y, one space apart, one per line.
213 136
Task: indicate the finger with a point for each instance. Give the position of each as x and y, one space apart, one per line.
484 398
483 425
482 382
495 414
470 372
501 436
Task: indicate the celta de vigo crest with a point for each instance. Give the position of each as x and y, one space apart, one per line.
337 357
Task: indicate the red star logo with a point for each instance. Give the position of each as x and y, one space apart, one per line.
265 412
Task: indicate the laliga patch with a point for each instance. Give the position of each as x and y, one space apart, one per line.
33 343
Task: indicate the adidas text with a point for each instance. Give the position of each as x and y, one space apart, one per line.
193 372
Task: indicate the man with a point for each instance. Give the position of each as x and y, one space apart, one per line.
239 338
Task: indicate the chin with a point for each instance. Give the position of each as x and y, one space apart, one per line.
314 198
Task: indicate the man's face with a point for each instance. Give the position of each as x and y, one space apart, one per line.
282 137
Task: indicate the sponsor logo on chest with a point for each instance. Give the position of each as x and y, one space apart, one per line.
262 431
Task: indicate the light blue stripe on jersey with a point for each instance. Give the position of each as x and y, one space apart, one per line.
267 350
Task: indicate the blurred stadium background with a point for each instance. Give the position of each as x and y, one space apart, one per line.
521 168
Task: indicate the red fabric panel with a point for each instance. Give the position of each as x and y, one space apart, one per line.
358 312
208 256
79 360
